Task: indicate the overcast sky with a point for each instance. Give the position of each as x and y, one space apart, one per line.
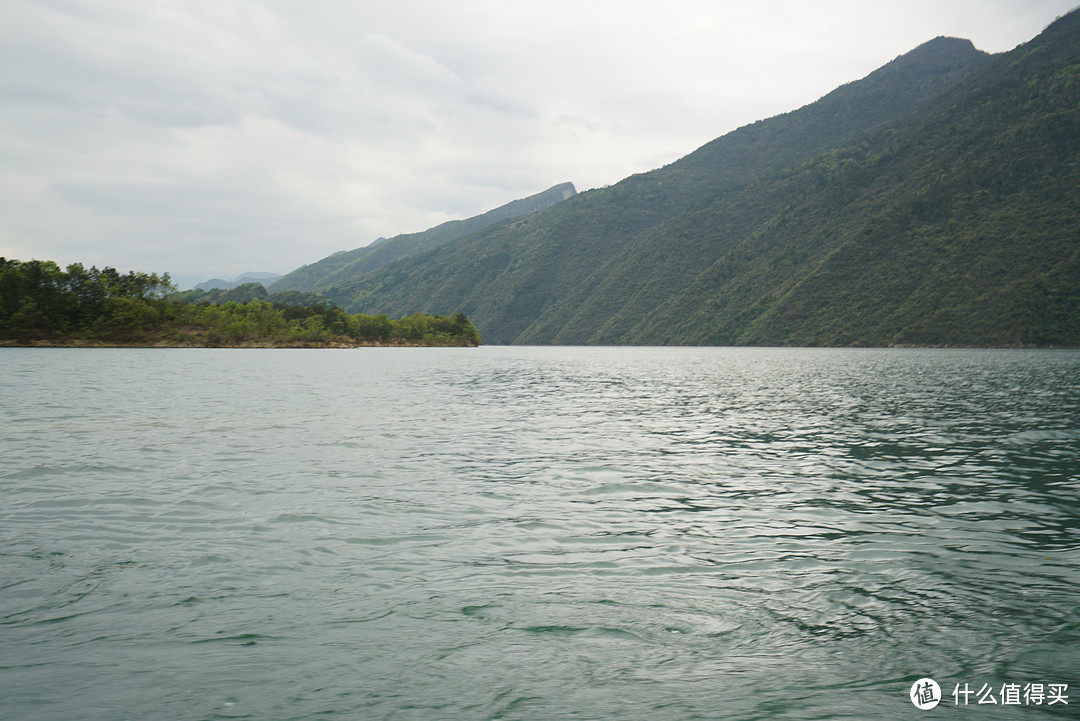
212 137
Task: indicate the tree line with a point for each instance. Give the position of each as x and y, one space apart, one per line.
40 302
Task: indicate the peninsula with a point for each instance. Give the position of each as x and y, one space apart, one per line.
44 306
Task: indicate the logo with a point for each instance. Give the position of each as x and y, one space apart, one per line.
925 694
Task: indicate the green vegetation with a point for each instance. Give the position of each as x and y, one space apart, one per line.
40 304
934 202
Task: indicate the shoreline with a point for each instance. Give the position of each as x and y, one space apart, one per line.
255 344
403 343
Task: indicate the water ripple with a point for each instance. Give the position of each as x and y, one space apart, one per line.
534 533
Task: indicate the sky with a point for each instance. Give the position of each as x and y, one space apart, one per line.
207 139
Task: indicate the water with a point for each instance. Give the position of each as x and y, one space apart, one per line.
536 533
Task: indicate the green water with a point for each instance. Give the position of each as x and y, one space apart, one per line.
536 533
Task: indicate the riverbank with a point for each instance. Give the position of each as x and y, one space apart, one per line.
239 344
201 338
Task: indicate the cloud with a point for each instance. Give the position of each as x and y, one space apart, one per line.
214 138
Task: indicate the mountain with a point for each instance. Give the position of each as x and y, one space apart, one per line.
953 226
345 265
511 273
933 202
219 284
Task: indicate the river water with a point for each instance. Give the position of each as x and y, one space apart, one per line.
538 533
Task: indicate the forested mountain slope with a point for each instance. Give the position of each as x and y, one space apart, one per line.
947 218
957 226
511 273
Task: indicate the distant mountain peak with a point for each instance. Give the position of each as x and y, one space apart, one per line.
937 55
219 284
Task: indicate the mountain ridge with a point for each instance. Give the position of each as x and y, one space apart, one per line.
344 265
508 275
933 202
942 229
